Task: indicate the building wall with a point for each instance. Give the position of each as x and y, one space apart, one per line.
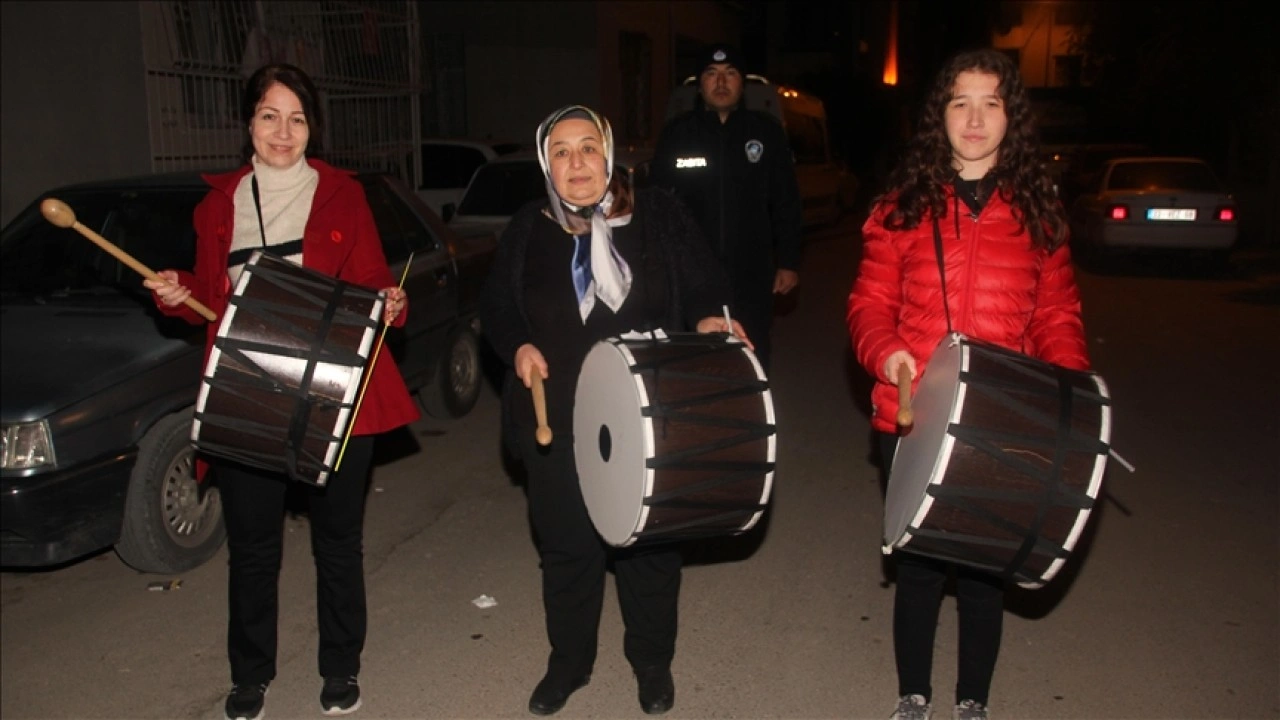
72 97
522 60
525 59
668 28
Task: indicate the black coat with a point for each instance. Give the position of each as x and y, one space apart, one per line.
695 284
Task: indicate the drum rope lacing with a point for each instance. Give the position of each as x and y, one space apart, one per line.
270 314
667 411
1055 490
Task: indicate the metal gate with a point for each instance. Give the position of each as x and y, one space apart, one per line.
364 56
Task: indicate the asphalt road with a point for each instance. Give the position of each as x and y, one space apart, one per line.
1168 608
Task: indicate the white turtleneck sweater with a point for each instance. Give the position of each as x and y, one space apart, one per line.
285 197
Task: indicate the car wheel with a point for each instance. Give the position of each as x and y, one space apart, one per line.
171 522
455 387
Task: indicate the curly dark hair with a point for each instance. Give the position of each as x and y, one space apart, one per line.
297 81
917 183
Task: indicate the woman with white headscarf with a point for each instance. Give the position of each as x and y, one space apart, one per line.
595 260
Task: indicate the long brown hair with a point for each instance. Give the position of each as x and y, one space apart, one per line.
918 182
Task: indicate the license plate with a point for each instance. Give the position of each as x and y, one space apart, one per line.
1171 213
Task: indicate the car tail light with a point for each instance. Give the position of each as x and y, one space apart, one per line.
1117 212
1226 213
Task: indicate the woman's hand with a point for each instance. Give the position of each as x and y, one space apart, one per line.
396 299
529 360
167 288
896 360
717 324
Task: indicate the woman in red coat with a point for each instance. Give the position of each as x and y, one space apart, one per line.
299 208
970 187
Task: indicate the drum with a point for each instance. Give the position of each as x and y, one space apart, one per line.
283 376
1003 464
674 438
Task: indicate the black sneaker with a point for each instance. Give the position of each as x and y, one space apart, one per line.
341 695
246 702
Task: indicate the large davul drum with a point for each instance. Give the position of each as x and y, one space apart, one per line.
1004 462
674 438
282 379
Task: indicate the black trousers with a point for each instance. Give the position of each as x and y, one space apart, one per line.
253 503
574 566
755 311
917 601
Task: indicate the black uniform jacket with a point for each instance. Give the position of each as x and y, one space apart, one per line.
738 179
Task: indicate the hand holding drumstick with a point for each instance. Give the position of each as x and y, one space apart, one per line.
60 214
531 367
717 324
901 368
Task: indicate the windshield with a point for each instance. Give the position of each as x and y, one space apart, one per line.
153 226
1163 175
502 188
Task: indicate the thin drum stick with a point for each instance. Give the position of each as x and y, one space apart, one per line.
61 214
728 322
373 360
543 434
905 414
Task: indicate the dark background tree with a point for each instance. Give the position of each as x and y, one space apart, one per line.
1200 78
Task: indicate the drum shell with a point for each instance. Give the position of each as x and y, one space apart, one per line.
700 436
286 368
1013 478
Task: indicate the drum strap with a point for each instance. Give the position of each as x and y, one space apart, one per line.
942 272
257 205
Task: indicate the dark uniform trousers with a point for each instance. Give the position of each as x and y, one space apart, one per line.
574 566
253 504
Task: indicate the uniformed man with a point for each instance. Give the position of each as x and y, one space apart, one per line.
733 168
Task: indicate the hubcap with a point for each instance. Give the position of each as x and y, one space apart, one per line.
462 369
190 512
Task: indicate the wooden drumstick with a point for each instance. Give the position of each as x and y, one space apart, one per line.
543 434
905 415
60 214
368 373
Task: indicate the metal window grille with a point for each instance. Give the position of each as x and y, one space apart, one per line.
364 57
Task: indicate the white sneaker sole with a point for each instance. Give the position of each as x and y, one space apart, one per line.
331 712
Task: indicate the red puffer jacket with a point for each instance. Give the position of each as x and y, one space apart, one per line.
999 289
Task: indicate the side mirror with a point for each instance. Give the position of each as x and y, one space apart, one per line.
447 211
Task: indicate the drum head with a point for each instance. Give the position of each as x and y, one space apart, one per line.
612 442
922 454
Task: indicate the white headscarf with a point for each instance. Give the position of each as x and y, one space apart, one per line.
611 277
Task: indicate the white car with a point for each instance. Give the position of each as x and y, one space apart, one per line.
1165 204
447 167
502 186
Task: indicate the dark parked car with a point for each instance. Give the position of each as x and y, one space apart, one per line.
98 387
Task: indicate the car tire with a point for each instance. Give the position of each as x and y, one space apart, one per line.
455 385
171 523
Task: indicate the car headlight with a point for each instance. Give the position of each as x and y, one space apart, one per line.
26 446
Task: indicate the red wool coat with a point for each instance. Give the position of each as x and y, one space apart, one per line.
340 239
999 289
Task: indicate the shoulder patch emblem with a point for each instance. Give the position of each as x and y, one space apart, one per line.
755 149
